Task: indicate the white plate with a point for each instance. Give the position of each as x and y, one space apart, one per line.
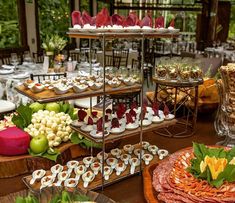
5 71
169 117
122 129
136 125
147 30
77 124
8 67
21 76
100 135
173 30
83 128
74 29
146 122
159 120
161 30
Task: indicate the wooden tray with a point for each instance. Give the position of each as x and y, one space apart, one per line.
97 182
50 96
11 166
127 133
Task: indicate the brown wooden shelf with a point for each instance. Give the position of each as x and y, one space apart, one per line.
97 182
50 96
127 133
111 35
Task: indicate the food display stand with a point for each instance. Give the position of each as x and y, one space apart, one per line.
44 97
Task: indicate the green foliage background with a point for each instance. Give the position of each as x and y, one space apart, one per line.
54 17
9 25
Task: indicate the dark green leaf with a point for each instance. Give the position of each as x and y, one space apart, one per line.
231 154
18 121
217 183
74 138
81 198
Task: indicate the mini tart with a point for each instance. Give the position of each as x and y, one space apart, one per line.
116 152
145 144
38 174
147 158
112 162
100 156
120 167
125 158
162 153
138 151
128 148
47 181
107 172
72 164
79 171
95 166
70 182
88 160
56 168
153 149
63 175
87 177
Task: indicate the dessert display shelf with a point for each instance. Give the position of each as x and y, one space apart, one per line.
96 183
127 133
50 96
111 35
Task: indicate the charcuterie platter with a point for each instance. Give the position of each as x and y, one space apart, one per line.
172 180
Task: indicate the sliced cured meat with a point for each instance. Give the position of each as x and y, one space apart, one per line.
102 17
172 23
117 19
86 18
93 21
175 184
130 21
76 18
159 22
146 21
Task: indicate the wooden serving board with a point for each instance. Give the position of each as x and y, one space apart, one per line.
50 96
11 166
97 182
127 133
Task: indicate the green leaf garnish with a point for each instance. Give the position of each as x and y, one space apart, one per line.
200 152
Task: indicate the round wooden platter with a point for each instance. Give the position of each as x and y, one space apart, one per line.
149 193
11 166
47 194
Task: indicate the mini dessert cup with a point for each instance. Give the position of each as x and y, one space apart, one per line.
153 149
88 161
95 166
112 162
56 169
62 176
147 158
100 156
125 158
161 72
120 167
145 144
138 151
134 162
107 172
162 153
116 152
128 148
79 171
38 174
87 177
70 182
72 165
47 181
